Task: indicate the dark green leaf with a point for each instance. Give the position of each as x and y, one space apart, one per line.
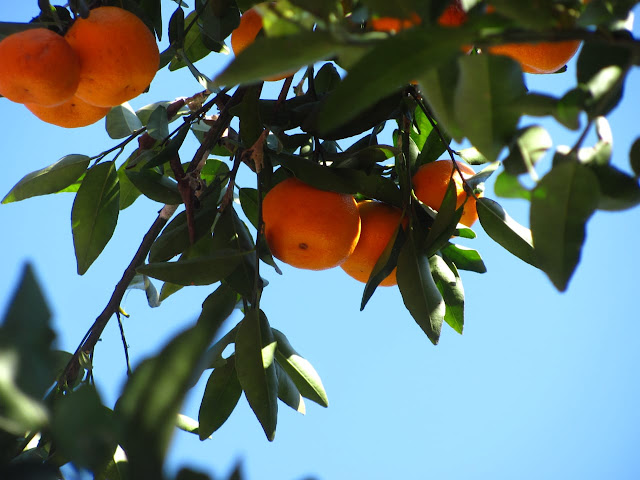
152 397
634 157
122 121
171 149
158 125
505 231
301 372
493 85
449 283
195 271
562 202
95 213
420 53
288 392
128 192
445 222
249 204
155 186
81 414
618 191
25 333
419 291
263 58
220 397
255 365
50 179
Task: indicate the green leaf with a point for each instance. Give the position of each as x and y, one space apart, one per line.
155 186
438 86
128 192
445 222
505 231
509 186
301 372
81 414
419 291
26 360
255 350
50 179
264 58
562 202
486 101
288 392
171 149
153 395
530 144
634 157
449 284
464 258
203 270
220 397
187 424
618 191
95 213
122 121
158 124
249 204
174 239
419 53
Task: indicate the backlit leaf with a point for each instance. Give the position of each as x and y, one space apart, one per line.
50 179
562 202
220 397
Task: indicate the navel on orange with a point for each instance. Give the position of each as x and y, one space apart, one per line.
38 66
310 228
378 223
118 56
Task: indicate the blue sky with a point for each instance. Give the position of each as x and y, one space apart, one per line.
541 384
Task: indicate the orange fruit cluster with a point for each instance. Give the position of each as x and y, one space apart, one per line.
540 58
74 80
315 229
247 32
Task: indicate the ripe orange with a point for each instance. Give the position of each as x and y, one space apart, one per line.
379 221
38 66
453 16
70 114
430 185
118 56
543 57
310 228
245 34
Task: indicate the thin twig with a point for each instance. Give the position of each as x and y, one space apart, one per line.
124 344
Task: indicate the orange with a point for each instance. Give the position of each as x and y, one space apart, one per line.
38 66
394 25
453 16
70 114
430 184
543 57
245 34
310 228
118 56
379 221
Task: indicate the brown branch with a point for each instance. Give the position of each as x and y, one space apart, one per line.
71 370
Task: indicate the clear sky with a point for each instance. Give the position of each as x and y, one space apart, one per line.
541 384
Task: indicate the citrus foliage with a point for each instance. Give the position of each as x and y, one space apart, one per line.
419 80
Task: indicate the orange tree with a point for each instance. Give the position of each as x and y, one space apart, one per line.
420 80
